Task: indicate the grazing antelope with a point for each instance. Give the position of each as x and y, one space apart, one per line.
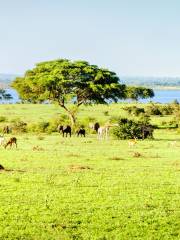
11 141
132 142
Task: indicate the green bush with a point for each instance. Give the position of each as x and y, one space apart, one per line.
40 127
129 129
19 126
3 119
136 111
153 110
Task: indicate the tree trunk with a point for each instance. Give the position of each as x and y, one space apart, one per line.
71 115
72 118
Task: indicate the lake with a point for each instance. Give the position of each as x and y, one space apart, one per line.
161 96
165 96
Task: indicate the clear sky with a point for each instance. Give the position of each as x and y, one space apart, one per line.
130 37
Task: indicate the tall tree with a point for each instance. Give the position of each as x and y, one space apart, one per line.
64 81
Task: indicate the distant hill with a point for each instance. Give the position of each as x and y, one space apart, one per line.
153 82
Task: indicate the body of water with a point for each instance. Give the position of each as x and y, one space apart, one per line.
161 96
164 96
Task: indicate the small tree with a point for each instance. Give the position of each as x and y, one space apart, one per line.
64 81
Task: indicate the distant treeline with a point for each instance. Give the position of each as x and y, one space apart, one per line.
152 81
6 79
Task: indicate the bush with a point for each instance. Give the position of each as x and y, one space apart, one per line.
19 126
153 110
3 119
136 111
129 129
106 113
40 127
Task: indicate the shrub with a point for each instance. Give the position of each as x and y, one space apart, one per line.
136 111
129 129
40 127
153 110
3 119
19 126
106 113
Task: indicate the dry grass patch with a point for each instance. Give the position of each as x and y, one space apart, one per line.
38 148
75 168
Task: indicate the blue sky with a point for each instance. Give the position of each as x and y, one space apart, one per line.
130 37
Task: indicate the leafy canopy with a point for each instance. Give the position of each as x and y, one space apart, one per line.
136 93
63 81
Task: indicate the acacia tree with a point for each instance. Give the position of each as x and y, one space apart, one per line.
64 81
136 93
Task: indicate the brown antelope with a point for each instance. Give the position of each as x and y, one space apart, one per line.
11 141
132 142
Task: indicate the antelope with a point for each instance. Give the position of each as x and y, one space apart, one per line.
11 141
132 142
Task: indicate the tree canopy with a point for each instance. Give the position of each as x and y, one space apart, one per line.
136 93
65 81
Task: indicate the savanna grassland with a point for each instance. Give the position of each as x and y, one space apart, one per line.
83 188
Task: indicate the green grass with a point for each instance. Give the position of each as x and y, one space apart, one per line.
83 188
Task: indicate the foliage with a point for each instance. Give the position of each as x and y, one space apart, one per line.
3 119
158 109
40 127
136 93
134 110
65 81
19 126
129 129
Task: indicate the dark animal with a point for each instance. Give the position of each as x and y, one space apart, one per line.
6 130
96 126
65 130
147 132
81 132
11 141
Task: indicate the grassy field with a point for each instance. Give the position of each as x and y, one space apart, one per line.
82 188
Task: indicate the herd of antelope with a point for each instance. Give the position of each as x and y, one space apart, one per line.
102 133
